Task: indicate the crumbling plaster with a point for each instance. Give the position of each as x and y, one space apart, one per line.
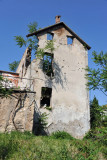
70 98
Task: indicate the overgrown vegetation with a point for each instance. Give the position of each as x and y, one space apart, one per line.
59 146
13 66
4 92
97 78
46 56
97 114
31 43
41 125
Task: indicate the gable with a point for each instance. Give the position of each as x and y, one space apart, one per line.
58 27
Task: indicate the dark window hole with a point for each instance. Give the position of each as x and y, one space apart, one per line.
46 94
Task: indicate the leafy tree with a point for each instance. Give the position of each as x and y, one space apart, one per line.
13 66
97 78
96 114
31 42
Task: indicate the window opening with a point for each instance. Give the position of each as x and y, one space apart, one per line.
45 96
49 36
69 40
22 70
48 64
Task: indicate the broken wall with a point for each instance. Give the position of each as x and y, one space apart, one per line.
10 79
70 98
24 63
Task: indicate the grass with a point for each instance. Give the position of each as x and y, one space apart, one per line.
58 146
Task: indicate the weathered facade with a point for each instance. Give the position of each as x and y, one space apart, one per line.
12 79
60 84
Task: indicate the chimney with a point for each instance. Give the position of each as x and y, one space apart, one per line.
57 19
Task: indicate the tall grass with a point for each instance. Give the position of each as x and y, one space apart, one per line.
58 146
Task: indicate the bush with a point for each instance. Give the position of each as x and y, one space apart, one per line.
99 134
61 135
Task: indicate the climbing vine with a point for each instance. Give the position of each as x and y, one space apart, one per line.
46 57
41 51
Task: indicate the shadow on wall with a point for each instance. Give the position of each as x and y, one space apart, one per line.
20 103
39 122
25 113
57 77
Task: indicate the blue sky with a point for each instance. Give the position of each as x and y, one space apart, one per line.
88 18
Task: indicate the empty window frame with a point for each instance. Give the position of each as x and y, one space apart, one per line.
49 36
69 40
48 64
46 94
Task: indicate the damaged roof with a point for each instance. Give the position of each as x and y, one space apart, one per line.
58 24
8 72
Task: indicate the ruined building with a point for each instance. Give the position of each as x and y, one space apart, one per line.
54 84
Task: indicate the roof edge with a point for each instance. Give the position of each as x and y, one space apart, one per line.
43 29
9 72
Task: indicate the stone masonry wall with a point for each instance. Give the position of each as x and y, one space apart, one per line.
17 112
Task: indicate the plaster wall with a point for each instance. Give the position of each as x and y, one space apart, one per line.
70 99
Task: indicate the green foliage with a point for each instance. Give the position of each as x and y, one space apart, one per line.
41 124
46 57
32 43
9 143
50 45
7 148
49 108
13 66
42 120
47 64
104 120
26 146
4 92
61 135
64 154
99 134
20 41
29 42
32 27
97 78
40 53
96 114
